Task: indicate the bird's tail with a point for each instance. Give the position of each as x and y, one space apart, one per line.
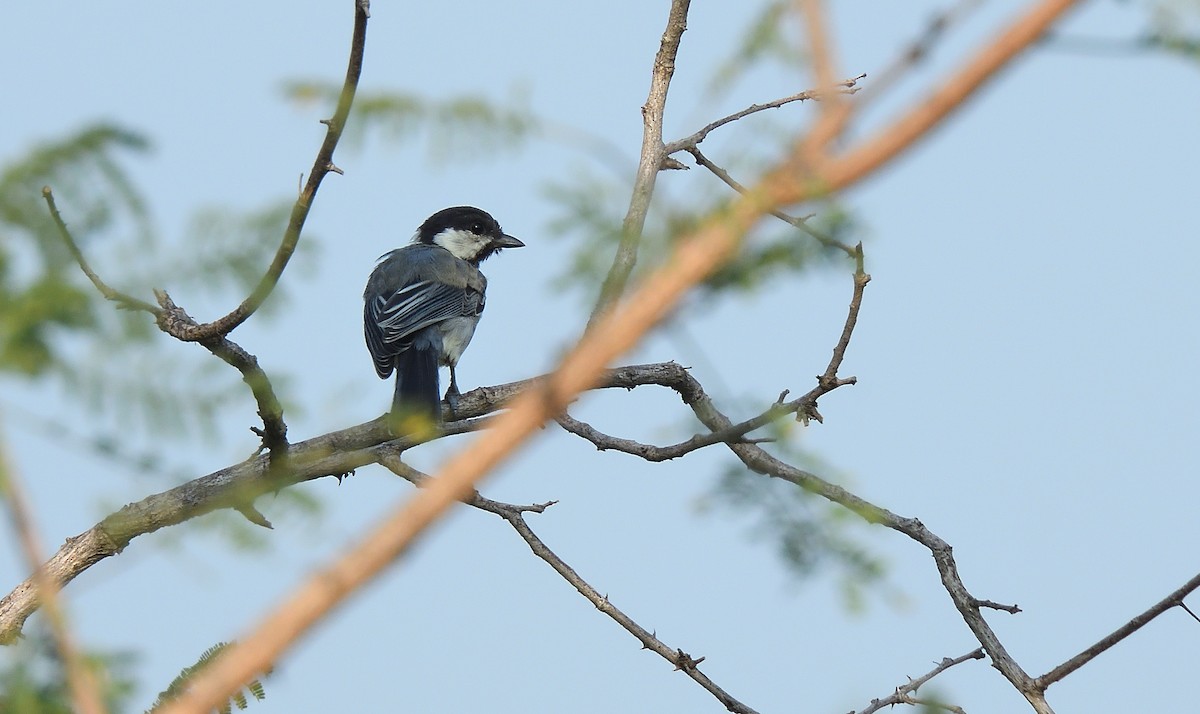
417 389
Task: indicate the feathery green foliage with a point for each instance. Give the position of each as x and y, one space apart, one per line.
41 294
468 126
180 683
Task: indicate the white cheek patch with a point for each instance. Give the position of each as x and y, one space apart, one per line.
464 245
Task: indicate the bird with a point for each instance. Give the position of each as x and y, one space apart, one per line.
422 303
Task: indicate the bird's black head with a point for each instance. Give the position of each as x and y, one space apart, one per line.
469 233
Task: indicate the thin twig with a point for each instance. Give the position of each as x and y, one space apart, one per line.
991 605
1175 599
174 321
861 278
901 695
85 691
649 452
682 661
126 301
846 86
801 223
759 460
514 515
805 407
650 162
322 165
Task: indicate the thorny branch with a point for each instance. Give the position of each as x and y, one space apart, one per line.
903 693
515 516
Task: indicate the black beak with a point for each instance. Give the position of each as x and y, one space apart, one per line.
507 241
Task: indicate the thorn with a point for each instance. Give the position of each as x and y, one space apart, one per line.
333 167
253 515
327 122
782 396
672 164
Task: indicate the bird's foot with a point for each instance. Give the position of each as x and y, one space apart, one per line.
452 396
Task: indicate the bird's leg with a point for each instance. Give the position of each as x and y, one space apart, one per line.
452 395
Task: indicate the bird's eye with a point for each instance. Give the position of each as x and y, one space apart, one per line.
477 228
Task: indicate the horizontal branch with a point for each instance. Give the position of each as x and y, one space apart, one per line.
334 454
805 407
846 86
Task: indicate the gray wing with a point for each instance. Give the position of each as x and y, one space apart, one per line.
397 306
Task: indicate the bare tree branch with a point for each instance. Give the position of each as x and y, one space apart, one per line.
903 692
805 407
611 334
801 223
321 166
1175 599
762 462
846 86
174 321
649 452
649 163
125 301
333 454
514 515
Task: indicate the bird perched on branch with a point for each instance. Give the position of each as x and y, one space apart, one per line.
422 304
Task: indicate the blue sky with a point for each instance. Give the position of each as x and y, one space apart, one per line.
1026 355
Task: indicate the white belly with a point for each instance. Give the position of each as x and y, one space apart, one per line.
456 335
